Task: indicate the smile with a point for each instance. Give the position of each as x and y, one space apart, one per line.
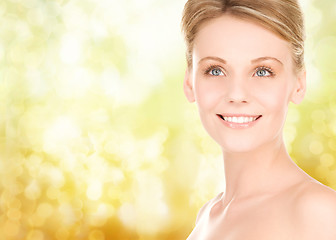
239 121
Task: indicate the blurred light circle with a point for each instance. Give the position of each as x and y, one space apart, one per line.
327 160
316 147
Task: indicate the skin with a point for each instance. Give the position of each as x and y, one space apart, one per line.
239 67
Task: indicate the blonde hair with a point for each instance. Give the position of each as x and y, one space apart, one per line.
283 17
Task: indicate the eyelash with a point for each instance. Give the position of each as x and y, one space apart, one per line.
268 69
212 67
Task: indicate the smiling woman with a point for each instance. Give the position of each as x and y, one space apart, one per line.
245 65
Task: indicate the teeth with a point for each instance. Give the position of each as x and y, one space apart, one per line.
240 119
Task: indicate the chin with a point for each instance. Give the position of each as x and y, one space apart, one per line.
237 148
238 145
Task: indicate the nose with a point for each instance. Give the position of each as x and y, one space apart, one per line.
237 92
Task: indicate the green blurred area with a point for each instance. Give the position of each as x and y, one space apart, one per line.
97 139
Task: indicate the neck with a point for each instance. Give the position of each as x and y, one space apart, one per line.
258 172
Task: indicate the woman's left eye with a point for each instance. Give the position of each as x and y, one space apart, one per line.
263 72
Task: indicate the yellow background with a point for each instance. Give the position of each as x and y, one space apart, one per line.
97 138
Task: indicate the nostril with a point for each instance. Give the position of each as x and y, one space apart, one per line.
237 101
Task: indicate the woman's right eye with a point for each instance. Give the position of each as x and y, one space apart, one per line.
216 72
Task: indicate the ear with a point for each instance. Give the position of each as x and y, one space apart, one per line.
299 90
188 86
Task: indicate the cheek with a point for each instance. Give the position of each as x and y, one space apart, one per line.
207 94
275 99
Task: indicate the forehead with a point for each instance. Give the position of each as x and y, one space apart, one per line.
236 39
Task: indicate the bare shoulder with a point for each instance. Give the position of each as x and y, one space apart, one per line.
316 197
315 211
206 207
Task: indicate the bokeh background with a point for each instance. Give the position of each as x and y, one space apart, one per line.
97 139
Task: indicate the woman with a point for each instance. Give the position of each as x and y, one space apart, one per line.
245 64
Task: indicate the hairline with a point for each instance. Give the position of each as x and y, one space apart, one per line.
243 15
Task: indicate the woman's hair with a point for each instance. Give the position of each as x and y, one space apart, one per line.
283 17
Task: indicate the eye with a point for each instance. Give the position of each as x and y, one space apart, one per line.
216 72
263 72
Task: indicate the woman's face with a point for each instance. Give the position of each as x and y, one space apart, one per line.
242 71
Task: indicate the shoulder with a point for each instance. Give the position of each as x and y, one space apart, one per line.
315 211
207 206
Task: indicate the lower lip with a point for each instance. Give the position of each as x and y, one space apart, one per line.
238 125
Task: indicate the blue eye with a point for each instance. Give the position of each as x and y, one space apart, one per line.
216 72
264 72
261 73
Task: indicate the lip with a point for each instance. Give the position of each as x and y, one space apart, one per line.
238 125
238 115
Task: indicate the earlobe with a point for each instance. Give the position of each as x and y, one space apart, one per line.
300 88
188 86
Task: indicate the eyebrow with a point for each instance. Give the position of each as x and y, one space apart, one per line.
212 58
266 58
252 61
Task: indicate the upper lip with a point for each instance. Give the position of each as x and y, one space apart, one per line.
238 115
